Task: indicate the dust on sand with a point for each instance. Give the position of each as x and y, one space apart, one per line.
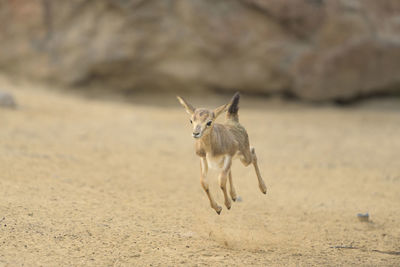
93 182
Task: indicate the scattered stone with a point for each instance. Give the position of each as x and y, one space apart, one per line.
7 100
239 199
363 217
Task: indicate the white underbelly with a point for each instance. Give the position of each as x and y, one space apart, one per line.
215 162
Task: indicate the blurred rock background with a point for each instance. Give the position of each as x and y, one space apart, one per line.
311 49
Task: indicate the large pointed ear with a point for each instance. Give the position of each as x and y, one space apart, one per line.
219 110
189 108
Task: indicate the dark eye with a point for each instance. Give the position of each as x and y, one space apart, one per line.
191 121
209 123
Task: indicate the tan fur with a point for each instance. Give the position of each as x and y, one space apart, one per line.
217 144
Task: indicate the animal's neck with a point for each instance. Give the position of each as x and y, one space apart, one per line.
207 139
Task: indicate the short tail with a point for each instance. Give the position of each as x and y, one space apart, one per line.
233 109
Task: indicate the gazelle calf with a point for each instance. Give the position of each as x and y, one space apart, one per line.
217 144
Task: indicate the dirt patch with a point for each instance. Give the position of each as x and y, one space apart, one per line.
90 182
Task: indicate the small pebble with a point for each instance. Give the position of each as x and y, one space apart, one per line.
363 217
7 100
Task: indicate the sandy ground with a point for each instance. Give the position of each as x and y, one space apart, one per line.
108 183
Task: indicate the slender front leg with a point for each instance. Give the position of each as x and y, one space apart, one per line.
232 190
261 183
223 178
204 184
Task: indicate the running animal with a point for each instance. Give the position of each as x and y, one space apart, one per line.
217 144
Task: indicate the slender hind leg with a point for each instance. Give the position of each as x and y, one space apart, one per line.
232 190
204 184
261 183
223 179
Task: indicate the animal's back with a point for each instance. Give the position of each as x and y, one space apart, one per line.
240 135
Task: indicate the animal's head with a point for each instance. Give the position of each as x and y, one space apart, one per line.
202 119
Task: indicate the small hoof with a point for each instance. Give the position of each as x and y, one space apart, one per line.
228 207
218 210
264 191
234 199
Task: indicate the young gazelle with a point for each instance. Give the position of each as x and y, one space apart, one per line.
217 144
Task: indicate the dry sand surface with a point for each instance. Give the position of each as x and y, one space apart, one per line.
88 182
